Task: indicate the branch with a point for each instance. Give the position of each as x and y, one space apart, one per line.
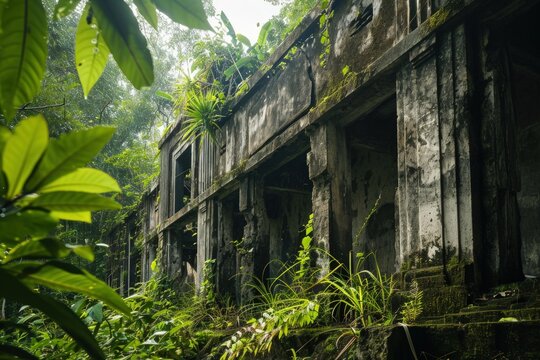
25 107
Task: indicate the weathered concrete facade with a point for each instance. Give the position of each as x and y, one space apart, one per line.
427 111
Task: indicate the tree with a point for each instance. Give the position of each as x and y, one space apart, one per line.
42 180
104 26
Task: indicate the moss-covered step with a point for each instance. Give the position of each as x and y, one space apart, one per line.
486 340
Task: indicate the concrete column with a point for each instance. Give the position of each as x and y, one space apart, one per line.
207 226
253 252
434 169
329 170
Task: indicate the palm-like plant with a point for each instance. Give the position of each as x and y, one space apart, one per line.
202 112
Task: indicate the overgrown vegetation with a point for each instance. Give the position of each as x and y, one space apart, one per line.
168 325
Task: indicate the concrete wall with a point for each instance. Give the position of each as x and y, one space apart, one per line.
412 109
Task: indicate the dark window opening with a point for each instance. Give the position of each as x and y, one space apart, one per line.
421 10
361 21
182 180
372 142
230 246
287 198
413 16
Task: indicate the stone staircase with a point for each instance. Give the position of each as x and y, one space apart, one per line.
501 324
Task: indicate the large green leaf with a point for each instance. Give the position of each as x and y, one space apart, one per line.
66 277
125 40
14 352
230 29
263 34
83 180
244 40
91 52
67 153
64 8
148 10
13 289
84 216
4 136
47 248
245 61
38 249
70 201
22 151
186 12
24 224
23 54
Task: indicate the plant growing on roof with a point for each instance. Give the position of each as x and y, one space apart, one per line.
202 113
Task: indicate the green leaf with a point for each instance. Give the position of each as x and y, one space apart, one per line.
61 276
165 95
96 312
64 8
245 61
91 52
83 180
230 29
186 12
69 152
77 307
84 216
244 40
22 151
13 289
4 136
82 251
24 224
24 52
38 249
48 248
508 319
263 34
126 42
148 11
306 242
70 201
15 352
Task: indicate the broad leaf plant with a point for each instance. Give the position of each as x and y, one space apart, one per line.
105 27
43 181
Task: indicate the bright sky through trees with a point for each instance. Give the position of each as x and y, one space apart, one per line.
246 14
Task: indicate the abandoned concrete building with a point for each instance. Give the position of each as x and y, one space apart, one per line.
427 110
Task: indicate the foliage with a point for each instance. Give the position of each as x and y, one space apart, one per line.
163 325
105 25
361 295
412 309
299 296
287 302
41 182
202 113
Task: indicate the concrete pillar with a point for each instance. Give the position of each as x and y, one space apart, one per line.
207 227
253 252
329 170
434 168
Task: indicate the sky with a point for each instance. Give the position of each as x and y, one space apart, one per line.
246 14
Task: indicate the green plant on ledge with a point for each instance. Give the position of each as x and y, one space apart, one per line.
412 309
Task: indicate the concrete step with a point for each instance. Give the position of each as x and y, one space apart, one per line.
491 315
483 340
